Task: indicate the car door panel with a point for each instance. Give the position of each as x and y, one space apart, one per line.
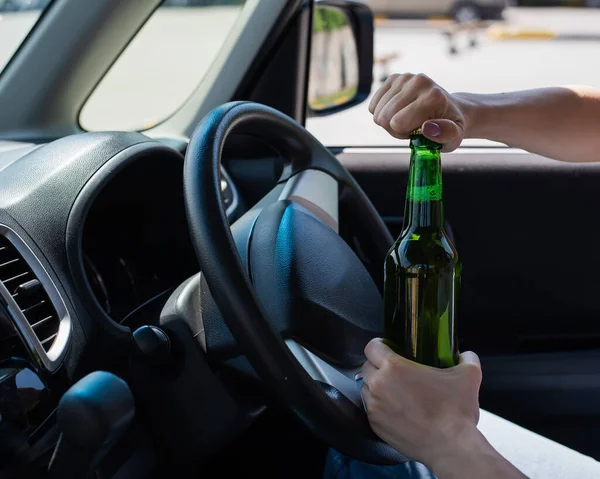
555 394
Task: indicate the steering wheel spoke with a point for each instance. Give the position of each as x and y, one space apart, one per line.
342 379
318 192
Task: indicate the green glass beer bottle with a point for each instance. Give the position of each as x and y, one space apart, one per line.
422 269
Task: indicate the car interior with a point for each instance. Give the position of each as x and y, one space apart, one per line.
192 298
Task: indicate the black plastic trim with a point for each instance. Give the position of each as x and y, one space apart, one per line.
273 79
78 216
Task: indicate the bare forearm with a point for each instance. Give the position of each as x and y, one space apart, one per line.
561 123
474 458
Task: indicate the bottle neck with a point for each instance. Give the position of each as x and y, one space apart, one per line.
424 207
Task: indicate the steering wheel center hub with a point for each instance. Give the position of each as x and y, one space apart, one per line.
312 285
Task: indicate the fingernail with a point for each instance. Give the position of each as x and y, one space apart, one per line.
431 129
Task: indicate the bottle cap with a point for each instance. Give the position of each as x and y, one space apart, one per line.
418 131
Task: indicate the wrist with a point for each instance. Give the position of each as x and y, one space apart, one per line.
463 449
471 456
455 449
474 111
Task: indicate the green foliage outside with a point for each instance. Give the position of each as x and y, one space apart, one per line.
327 19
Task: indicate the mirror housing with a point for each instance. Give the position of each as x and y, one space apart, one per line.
336 85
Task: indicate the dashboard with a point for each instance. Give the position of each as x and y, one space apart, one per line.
93 241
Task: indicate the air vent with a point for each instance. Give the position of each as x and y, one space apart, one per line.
29 294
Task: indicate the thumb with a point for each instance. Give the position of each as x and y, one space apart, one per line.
445 132
469 357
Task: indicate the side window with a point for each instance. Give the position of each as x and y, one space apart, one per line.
481 46
162 66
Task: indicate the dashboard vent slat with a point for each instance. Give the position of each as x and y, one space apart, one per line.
28 309
33 301
13 279
9 262
42 322
47 343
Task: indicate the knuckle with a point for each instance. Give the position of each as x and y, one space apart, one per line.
390 365
384 117
401 79
379 120
392 78
436 95
422 80
397 124
386 364
376 386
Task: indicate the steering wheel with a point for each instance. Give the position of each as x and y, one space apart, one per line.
287 289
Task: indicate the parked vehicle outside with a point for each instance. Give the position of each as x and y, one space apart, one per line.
460 10
22 5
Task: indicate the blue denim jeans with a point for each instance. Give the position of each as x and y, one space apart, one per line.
339 466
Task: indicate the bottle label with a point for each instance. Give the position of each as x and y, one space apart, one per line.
425 193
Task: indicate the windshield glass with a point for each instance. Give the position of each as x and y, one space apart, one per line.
17 18
163 65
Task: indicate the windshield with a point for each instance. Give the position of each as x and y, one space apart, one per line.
17 18
155 75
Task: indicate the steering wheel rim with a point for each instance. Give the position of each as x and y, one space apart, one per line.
321 407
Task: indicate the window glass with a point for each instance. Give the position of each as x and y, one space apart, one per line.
17 18
162 66
483 46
